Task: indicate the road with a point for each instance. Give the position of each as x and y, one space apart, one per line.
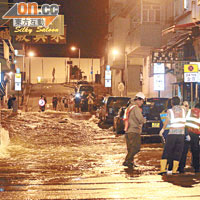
49 90
55 155
60 155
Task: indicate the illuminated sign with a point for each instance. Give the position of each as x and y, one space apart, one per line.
18 86
28 14
18 77
159 68
159 82
107 83
108 74
56 28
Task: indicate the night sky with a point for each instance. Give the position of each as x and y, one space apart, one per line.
86 22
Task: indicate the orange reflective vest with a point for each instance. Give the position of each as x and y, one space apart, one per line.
126 115
193 121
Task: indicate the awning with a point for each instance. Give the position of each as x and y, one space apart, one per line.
177 41
187 26
5 65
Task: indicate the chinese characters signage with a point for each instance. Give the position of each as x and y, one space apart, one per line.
28 29
159 76
191 73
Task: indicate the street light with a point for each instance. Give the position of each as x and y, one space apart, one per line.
115 52
73 48
30 54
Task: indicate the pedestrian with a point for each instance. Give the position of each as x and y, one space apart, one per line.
134 121
65 102
186 142
14 103
9 102
42 103
193 128
77 101
59 102
84 102
90 99
175 140
163 117
71 103
54 102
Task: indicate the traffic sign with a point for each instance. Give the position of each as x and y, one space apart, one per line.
41 102
159 82
108 74
107 83
159 68
190 77
18 78
191 68
18 86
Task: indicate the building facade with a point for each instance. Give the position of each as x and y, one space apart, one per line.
146 32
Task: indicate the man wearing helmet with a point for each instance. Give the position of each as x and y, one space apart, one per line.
134 121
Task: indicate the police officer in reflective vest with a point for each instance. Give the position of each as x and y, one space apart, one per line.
163 117
193 127
175 139
133 120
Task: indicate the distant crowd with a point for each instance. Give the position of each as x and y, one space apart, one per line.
69 103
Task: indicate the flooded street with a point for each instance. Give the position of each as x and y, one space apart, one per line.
56 155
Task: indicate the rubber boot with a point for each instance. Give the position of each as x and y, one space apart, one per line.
175 166
163 165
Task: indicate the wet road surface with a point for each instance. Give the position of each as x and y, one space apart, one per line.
55 155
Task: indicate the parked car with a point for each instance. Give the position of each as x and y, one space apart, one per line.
83 88
110 107
151 110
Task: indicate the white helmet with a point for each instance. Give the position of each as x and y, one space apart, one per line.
140 95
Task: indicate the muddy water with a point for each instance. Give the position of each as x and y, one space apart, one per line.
57 148
43 144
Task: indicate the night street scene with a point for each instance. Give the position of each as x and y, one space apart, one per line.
99 99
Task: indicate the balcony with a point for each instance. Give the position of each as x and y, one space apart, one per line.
143 39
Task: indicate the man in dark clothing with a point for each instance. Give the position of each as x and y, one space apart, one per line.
175 140
192 126
9 102
54 102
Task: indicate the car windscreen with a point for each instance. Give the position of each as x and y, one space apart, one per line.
153 107
117 102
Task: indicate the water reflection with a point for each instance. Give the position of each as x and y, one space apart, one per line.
45 152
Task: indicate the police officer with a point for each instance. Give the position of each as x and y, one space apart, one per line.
134 120
163 117
193 127
175 139
186 142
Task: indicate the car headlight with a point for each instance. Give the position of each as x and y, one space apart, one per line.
77 95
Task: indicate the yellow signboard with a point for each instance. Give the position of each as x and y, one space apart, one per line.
191 68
